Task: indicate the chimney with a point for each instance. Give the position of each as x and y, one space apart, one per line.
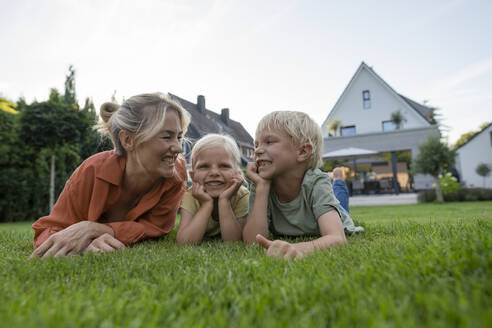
224 116
200 104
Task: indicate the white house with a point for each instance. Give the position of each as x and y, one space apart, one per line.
365 109
478 149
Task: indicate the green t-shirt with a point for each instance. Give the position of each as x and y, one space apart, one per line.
239 205
300 216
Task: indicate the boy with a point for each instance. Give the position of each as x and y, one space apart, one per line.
290 196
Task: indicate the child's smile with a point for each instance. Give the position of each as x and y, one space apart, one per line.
214 168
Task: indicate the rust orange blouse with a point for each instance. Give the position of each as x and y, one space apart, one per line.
96 185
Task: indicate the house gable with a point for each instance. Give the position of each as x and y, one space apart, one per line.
383 101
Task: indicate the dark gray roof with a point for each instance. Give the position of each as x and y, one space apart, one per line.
210 122
424 111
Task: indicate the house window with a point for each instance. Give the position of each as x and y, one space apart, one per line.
389 126
348 130
366 99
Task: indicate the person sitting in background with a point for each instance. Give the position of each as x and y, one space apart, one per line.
340 188
132 193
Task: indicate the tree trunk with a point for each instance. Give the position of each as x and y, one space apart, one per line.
52 179
439 197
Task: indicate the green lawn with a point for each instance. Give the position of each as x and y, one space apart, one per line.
420 265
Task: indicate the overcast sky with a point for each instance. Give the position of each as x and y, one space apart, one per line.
253 56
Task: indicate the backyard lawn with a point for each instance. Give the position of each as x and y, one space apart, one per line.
417 265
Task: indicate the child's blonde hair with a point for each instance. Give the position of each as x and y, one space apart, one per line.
217 140
300 127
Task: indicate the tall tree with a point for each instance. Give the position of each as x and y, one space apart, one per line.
70 95
51 124
434 158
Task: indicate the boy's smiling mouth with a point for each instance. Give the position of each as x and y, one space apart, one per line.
263 163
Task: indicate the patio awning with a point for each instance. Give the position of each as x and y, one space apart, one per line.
349 152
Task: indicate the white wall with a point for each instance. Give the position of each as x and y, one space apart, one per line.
384 101
476 151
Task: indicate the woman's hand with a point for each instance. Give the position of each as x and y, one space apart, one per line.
199 193
105 244
279 248
71 240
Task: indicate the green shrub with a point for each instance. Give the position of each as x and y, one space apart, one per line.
462 195
449 184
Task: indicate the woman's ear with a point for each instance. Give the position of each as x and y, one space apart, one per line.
304 152
127 140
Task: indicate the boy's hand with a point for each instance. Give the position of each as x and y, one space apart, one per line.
279 248
234 186
252 174
198 191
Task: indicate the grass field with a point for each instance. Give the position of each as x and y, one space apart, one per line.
420 265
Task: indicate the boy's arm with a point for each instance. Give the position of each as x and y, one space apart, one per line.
332 235
257 221
192 227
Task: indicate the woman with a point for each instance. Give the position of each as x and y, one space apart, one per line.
119 197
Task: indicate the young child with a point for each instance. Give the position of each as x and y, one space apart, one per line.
291 197
217 204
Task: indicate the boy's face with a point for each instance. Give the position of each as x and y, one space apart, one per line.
275 154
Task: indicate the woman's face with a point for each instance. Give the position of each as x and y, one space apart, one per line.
214 168
157 155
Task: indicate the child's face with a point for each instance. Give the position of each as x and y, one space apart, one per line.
275 154
214 168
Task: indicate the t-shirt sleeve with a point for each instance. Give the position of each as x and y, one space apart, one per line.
241 204
189 203
323 199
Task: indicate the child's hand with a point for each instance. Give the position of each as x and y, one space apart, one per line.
234 185
199 193
252 174
279 248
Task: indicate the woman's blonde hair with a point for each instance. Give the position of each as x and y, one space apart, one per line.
142 115
216 140
300 127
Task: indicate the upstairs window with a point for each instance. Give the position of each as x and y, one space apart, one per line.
366 99
347 130
389 126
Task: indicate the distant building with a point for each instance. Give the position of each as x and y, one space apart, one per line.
478 149
204 121
365 109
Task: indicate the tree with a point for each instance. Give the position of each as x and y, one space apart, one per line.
434 158
51 124
483 170
70 97
8 106
333 126
397 118
468 135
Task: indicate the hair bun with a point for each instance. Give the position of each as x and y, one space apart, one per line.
107 109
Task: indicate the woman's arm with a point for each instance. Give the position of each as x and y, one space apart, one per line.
71 240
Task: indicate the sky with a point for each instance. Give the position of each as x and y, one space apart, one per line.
253 56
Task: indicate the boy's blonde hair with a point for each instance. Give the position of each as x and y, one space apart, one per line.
142 115
300 127
216 140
